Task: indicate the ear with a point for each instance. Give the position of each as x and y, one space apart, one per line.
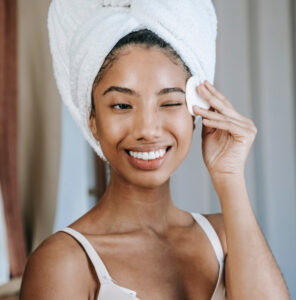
93 124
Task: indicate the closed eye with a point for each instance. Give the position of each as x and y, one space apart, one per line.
173 104
124 106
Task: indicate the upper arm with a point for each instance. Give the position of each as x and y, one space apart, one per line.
52 273
227 281
217 222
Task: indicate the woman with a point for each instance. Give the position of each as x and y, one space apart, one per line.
135 243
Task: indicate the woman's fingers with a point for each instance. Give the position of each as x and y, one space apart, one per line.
220 103
216 93
215 116
215 102
246 134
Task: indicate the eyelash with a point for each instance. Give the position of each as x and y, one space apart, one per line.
166 105
173 104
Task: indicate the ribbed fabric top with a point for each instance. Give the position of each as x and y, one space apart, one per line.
110 290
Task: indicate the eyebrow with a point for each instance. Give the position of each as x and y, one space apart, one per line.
133 93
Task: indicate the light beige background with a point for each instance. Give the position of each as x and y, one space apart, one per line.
39 122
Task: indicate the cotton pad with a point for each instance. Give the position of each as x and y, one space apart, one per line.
192 96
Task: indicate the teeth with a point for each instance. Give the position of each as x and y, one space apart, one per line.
151 155
148 155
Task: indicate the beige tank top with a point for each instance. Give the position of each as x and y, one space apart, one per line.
110 290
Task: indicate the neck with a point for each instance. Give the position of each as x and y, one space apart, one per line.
129 207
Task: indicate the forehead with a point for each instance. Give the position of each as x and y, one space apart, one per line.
135 54
139 65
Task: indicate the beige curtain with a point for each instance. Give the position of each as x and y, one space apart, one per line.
8 142
39 122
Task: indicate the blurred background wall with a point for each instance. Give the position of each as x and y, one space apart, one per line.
256 64
39 122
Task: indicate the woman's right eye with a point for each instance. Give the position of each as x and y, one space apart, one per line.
121 106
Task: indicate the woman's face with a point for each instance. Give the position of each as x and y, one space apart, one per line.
140 107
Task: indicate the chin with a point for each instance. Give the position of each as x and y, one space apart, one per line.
149 182
144 179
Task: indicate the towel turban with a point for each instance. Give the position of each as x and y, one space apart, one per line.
83 32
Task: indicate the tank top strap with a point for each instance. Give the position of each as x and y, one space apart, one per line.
94 257
212 235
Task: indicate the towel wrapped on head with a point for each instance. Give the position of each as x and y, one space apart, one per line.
83 32
116 3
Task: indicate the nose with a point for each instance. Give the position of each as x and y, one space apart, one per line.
147 124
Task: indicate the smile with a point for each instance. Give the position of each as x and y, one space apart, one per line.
151 155
148 160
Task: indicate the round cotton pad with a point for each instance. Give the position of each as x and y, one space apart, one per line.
192 96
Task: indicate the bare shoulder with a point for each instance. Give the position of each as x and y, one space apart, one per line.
217 222
55 270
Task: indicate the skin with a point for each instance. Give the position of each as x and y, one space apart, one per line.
148 244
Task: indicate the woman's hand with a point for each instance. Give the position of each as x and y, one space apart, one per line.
227 136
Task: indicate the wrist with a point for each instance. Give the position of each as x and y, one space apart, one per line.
228 177
231 182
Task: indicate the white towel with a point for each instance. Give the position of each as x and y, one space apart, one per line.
83 32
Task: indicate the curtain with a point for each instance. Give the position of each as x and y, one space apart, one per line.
11 222
77 174
4 259
57 166
39 123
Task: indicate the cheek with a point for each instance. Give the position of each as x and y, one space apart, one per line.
110 131
181 125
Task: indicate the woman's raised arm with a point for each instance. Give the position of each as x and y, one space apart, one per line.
251 270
